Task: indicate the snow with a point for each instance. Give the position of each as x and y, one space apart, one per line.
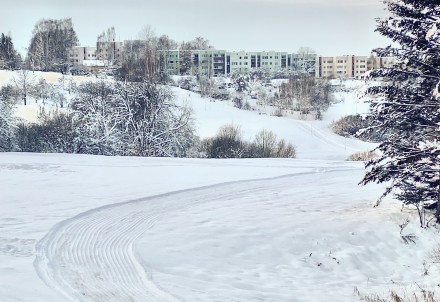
313 139
431 32
90 63
96 228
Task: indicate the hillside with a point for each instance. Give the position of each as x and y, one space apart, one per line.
96 228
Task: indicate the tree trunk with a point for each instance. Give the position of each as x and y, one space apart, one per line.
437 212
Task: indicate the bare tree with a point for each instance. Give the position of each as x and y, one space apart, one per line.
24 83
50 44
106 46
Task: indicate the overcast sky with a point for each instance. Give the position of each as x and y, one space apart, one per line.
331 27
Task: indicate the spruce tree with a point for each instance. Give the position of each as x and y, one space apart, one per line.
406 105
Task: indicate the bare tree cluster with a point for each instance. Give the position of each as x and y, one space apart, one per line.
142 58
306 94
133 119
229 143
106 46
50 44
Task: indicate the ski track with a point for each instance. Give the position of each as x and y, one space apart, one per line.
90 257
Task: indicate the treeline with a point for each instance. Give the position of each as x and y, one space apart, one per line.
142 59
127 119
139 119
9 57
50 44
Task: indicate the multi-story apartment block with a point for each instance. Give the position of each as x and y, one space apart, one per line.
349 66
219 62
238 61
170 62
104 54
213 62
302 62
109 52
79 54
380 62
202 61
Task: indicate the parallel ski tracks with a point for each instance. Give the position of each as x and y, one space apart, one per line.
90 257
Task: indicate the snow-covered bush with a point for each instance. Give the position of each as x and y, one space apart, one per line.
56 132
228 143
187 82
266 145
421 295
7 124
139 119
353 125
362 156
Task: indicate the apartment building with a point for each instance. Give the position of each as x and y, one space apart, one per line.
380 62
213 62
244 61
79 54
109 52
302 62
169 62
349 66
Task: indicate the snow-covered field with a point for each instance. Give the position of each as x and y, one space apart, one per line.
94 228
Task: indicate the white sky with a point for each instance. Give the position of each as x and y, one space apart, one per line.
331 27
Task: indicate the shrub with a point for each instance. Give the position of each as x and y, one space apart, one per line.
351 126
228 143
278 112
422 296
285 150
247 106
56 133
435 254
238 102
187 83
362 156
266 145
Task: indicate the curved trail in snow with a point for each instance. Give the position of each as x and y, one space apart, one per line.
90 257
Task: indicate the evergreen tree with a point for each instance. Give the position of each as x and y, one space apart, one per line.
9 57
406 105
